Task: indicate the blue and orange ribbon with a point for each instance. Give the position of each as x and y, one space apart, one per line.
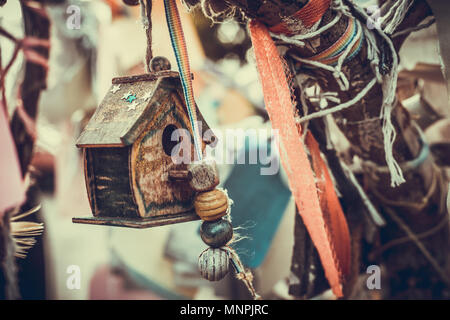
182 57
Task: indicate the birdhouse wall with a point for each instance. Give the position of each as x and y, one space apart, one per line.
155 194
107 173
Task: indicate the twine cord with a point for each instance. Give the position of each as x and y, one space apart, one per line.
442 274
374 214
428 233
245 276
416 28
181 54
407 165
241 273
146 17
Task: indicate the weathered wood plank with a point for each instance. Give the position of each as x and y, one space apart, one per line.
139 223
155 193
111 188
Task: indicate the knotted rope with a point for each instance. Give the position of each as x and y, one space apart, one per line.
146 17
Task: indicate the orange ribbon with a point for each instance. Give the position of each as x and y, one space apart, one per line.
317 204
308 16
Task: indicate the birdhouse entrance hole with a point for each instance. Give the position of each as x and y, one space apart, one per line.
167 141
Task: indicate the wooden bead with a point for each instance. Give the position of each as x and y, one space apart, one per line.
211 205
159 63
216 233
179 175
131 2
213 264
205 175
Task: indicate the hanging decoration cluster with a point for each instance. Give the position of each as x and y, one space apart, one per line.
211 204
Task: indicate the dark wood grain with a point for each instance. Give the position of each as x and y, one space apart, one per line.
139 223
110 189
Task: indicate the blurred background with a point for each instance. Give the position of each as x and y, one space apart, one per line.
161 263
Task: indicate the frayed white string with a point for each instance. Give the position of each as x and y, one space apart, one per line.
416 28
374 214
242 274
389 86
298 39
340 77
230 203
388 82
399 9
144 19
340 107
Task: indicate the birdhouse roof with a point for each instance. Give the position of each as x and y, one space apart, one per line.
127 107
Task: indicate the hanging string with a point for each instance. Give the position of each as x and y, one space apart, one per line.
181 54
241 273
443 274
148 31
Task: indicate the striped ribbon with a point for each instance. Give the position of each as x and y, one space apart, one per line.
181 54
331 55
182 57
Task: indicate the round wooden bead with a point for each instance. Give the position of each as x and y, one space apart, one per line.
213 264
131 2
205 176
211 205
159 63
216 233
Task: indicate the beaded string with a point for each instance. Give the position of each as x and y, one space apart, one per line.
181 54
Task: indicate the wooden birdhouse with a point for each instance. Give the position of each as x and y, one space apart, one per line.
131 178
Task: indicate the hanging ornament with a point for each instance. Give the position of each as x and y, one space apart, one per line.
211 204
213 264
131 176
